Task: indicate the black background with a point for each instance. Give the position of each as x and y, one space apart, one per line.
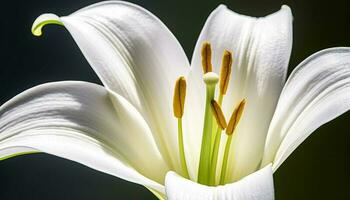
318 169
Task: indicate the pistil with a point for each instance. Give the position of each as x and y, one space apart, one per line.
210 79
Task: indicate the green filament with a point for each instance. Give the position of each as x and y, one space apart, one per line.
181 149
215 147
225 159
214 158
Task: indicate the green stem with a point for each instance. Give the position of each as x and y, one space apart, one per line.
214 158
225 160
182 149
204 161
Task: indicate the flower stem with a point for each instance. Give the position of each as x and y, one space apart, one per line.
182 149
204 161
225 160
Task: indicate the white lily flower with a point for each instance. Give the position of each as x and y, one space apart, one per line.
127 128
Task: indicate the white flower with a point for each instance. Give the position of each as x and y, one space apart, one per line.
127 128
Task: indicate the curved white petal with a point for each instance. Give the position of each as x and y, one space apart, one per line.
256 186
261 48
317 91
79 122
135 55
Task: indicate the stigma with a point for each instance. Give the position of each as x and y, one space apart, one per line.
210 78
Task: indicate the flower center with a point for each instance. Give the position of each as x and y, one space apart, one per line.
212 129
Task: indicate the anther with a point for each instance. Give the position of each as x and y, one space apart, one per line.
235 117
218 114
225 71
179 97
206 57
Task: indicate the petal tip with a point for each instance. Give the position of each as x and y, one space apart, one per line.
222 6
287 9
43 20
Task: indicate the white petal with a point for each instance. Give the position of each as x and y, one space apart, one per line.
77 121
317 91
135 55
257 186
261 48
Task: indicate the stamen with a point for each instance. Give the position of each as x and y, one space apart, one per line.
235 117
179 97
178 106
225 72
210 79
218 114
206 58
225 160
221 124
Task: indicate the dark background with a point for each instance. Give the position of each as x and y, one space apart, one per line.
318 169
